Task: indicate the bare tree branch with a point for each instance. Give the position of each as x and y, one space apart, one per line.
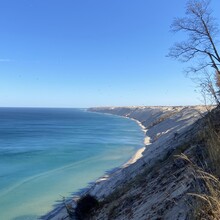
201 30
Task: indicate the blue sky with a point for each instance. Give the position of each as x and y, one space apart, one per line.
82 53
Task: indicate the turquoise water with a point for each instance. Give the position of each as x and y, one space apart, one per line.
49 153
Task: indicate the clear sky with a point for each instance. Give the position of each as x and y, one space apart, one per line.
82 53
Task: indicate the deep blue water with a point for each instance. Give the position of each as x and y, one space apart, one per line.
49 153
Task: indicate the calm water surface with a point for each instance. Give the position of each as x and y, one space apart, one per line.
49 153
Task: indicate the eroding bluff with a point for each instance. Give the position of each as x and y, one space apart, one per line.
157 185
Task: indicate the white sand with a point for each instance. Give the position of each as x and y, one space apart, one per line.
137 156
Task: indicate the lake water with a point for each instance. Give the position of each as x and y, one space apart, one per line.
46 154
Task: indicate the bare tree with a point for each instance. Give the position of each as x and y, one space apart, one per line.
207 89
201 45
202 30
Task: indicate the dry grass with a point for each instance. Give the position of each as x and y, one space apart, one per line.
207 196
207 187
212 138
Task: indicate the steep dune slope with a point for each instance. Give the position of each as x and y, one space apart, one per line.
156 186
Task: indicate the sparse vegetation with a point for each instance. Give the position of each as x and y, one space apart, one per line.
206 170
207 195
212 137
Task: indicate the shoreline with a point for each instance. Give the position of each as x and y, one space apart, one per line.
139 153
59 210
167 128
136 157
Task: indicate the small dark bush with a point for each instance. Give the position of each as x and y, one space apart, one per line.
85 206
